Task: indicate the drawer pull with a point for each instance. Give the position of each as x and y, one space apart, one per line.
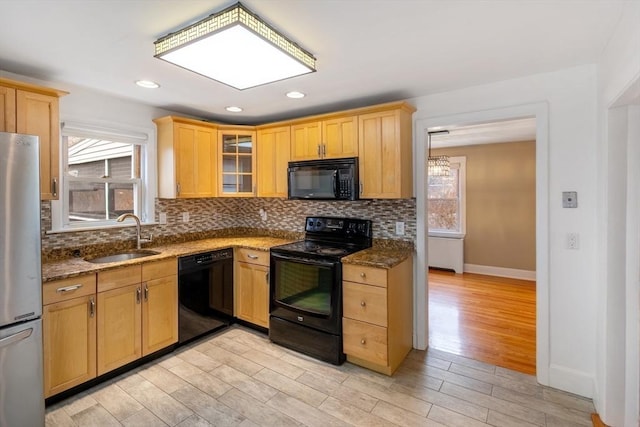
252 256
363 341
69 288
363 304
363 275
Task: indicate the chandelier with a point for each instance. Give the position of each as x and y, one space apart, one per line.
437 165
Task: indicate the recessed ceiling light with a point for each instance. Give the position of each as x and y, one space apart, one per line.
233 109
147 84
295 94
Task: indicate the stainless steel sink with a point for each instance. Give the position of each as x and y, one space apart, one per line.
123 256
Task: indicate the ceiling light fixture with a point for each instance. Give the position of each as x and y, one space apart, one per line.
147 84
237 48
233 109
437 165
295 94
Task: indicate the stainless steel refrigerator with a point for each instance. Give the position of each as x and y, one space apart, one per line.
21 389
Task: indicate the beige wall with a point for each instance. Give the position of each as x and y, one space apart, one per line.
501 204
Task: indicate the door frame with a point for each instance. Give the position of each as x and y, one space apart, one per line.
540 111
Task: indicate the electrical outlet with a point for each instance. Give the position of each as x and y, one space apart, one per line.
163 217
399 228
573 241
185 216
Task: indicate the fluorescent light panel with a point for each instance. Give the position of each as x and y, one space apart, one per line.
236 48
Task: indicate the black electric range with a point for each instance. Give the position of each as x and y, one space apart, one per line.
305 292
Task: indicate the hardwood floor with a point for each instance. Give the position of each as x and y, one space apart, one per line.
486 318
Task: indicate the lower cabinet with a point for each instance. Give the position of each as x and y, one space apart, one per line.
377 321
137 312
252 286
69 333
94 324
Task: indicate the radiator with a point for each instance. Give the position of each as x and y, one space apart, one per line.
446 252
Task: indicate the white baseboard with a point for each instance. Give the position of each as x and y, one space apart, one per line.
512 273
571 380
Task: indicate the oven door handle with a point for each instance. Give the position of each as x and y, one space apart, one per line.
303 260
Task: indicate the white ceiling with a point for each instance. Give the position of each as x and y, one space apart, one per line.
367 51
484 133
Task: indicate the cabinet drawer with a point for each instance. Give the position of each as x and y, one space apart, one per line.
365 341
362 274
365 303
253 256
157 269
66 289
119 277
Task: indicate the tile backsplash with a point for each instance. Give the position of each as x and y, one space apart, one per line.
210 217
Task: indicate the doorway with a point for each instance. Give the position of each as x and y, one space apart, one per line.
540 113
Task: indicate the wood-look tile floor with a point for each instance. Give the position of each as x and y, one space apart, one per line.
492 319
239 378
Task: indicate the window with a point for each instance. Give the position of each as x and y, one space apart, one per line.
446 213
103 177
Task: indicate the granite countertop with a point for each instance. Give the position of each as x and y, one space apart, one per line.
72 267
376 256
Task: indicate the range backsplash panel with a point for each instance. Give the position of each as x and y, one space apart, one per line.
219 216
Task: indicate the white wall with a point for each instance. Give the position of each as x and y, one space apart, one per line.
569 340
617 386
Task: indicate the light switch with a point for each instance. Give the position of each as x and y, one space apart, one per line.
569 199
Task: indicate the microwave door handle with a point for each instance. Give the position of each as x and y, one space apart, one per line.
336 189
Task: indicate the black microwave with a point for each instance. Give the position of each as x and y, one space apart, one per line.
326 179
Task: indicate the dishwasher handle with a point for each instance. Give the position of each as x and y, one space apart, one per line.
12 339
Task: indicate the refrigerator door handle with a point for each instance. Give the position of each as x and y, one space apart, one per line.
12 339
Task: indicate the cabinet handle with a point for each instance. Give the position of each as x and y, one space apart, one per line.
363 303
252 256
177 189
138 292
363 341
69 288
324 150
363 275
146 292
54 187
319 151
361 188
92 307
266 276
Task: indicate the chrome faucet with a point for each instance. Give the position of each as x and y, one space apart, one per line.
138 235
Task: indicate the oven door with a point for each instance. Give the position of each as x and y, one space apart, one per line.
306 291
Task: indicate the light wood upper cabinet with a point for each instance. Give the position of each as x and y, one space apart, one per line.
187 158
34 110
273 153
237 161
330 138
385 153
69 333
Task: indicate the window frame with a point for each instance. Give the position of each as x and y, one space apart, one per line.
461 162
144 186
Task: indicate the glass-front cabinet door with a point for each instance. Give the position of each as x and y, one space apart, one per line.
237 162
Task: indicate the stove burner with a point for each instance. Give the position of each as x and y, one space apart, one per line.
331 251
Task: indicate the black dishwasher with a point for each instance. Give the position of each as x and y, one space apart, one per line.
205 288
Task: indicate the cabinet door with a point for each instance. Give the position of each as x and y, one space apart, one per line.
195 157
237 162
7 109
159 314
69 338
260 295
273 153
38 114
340 137
119 327
252 293
305 141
